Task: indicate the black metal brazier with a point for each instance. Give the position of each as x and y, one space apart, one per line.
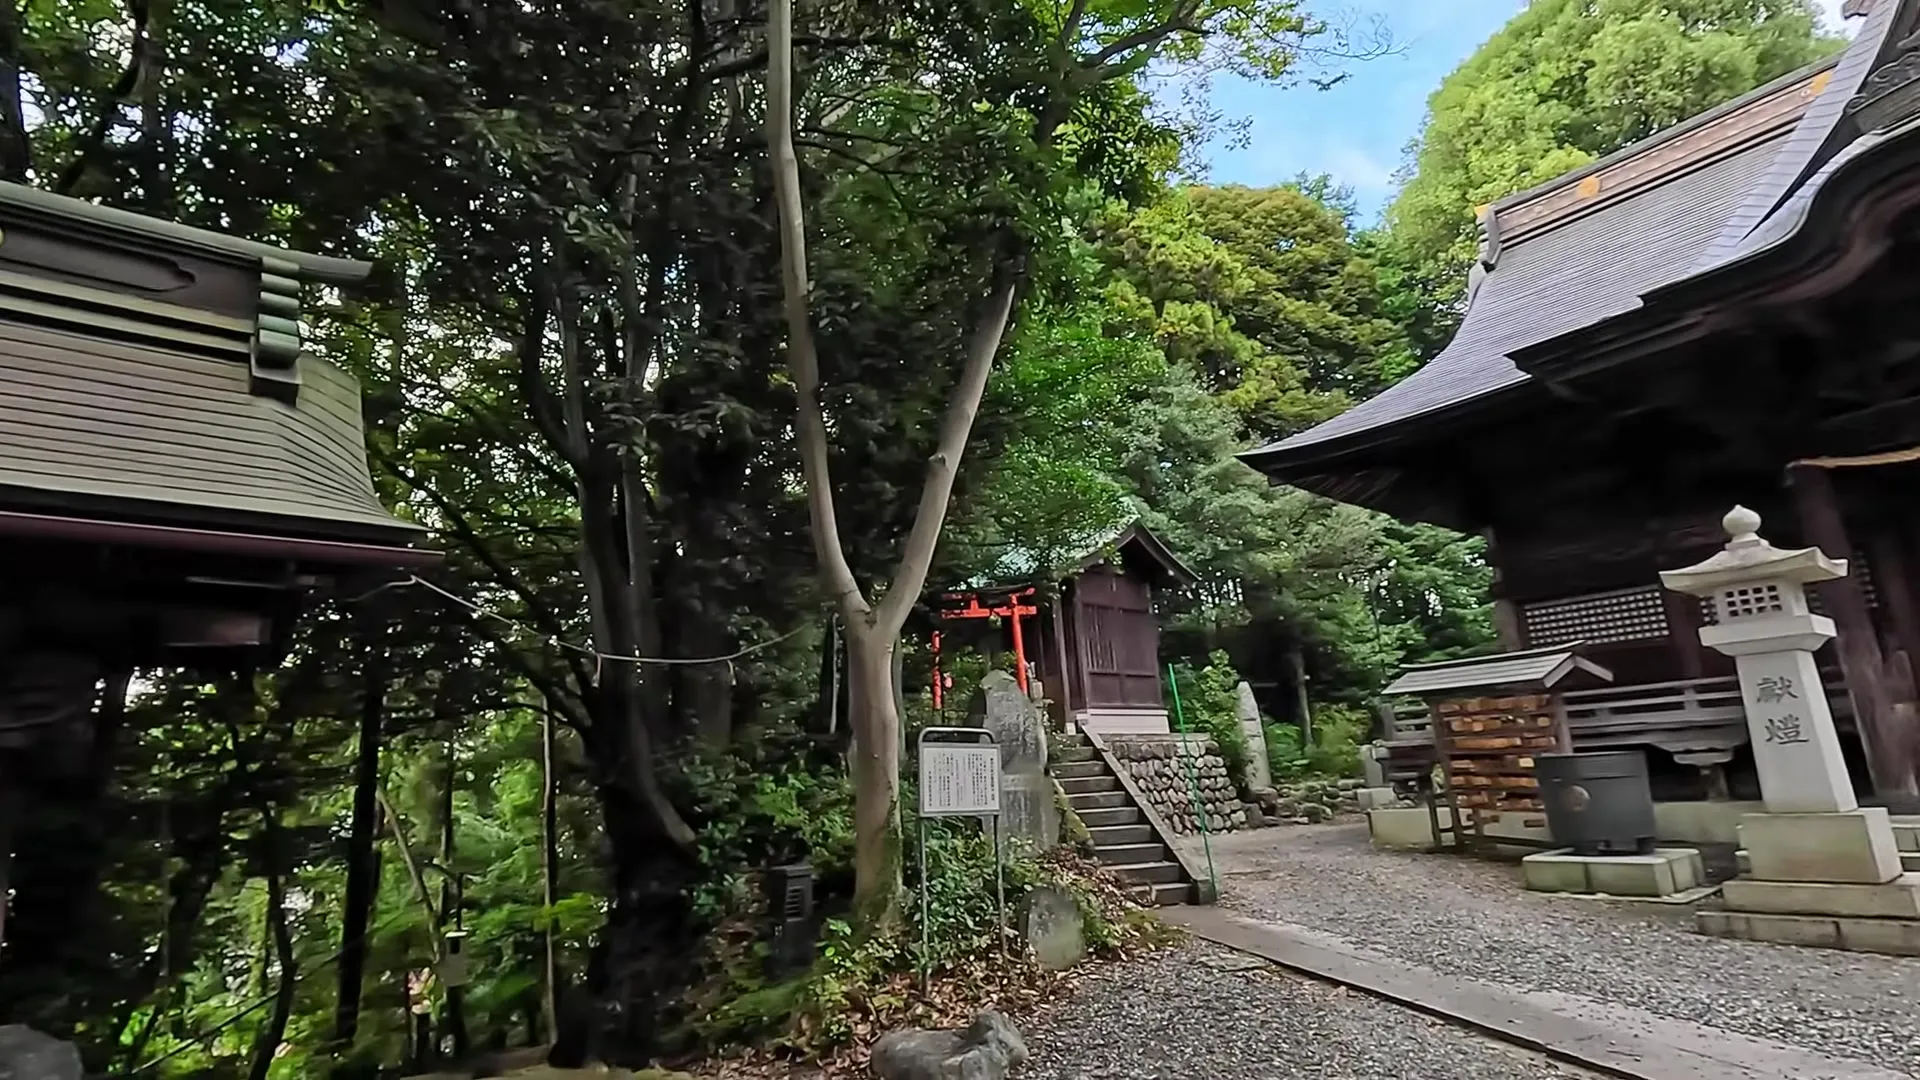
1598 803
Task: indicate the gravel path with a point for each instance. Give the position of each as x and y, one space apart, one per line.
1200 1012
1473 918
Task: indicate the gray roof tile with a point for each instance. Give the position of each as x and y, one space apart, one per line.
1565 278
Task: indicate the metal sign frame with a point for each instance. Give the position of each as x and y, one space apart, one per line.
973 739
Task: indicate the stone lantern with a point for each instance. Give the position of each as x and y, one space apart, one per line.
1759 598
1823 869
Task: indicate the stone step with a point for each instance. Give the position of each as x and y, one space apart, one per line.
1148 873
1125 854
1107 817
1111 835
1897 899
1906 835
1068 738
1082 752
1909 861
1077 770
1098 800
1173 892
1892 937
1089 785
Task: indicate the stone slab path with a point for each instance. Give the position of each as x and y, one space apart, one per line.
1636 972
1615 1040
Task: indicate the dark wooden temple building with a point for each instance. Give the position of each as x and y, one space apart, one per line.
1092 636
177 473
1726 312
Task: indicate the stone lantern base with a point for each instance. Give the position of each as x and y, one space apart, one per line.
1830 880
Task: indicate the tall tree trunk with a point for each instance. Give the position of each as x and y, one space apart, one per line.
450 898
362 874
267 1043
549 870
15 156
876 778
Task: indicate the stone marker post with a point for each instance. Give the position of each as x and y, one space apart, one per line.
1814 829
1027 807
1259 771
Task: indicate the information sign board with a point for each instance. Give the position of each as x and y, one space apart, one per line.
959 780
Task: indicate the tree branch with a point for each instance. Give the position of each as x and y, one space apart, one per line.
803 360
123 88
936 491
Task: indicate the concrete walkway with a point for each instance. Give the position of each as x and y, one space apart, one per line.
1605 1036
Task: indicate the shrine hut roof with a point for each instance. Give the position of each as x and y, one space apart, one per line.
1534 669
1139 549
1588 251
156 374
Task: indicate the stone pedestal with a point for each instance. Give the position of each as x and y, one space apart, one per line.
1852 847
1666 872
1821 870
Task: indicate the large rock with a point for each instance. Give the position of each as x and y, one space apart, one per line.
25 1054
1027 808
987 1049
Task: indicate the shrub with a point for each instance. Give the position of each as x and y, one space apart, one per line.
1338 732
1210 705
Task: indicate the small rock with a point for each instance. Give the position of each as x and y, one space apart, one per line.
1315 813
986 1050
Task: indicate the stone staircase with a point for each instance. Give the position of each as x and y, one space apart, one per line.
1906 836
1123 838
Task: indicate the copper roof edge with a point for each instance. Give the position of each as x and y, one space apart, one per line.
126 225
1668 134
1695 143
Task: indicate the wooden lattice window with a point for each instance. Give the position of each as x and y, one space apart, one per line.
1598 619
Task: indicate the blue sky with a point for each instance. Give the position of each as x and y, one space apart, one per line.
1358 131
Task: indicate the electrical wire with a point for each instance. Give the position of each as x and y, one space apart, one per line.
586 650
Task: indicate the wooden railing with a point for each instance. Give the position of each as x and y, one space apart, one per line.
1683 711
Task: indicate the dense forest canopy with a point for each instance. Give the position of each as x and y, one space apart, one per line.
582 373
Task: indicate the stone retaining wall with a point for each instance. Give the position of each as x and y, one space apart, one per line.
1159 767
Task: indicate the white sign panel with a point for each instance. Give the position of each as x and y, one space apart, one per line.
959 780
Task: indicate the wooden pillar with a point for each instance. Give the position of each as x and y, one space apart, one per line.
1683 632
1060 657
1859 649
1893 580
1506 625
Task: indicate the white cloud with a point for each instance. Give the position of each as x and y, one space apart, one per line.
1357 169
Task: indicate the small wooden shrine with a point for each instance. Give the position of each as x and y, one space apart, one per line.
1091 636
1490 716
1727 312
177 471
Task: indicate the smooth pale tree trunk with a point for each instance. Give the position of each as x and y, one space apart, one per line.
876 778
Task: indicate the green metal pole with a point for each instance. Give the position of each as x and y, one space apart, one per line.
1193 780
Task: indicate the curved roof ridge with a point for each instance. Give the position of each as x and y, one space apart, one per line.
1822 132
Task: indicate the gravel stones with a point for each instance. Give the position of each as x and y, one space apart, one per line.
1199 1011
1471 917
1185 780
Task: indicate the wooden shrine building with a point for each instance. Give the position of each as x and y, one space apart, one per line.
1091 636
177 472
1727 312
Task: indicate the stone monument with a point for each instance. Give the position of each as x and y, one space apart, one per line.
1824 869
1259 770
1027 808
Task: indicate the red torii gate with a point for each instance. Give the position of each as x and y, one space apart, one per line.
967 605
